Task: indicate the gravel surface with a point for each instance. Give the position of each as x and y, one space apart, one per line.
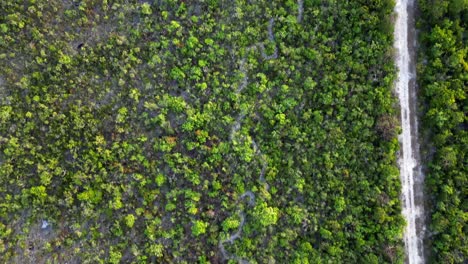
412 178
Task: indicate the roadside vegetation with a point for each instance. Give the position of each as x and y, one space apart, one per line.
443 81
201 132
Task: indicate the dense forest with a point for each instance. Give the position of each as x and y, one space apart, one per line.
443 81
214 131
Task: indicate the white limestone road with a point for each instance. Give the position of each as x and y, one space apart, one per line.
412 178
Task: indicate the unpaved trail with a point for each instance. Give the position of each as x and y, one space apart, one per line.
412 178
234 129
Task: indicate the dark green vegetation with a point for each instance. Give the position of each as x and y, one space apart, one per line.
131 129
443 81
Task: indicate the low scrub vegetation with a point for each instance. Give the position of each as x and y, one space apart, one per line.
198 132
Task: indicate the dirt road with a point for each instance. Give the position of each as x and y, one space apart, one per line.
412 177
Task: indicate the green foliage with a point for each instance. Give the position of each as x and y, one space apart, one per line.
39 192
199 228
156 250
130 220
266 215
146 9
125 125
230 223
65 59
114 256
90 195
160 179
443 78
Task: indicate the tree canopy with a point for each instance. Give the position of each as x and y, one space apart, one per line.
200 132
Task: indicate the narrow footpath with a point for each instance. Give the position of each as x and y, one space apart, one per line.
412 177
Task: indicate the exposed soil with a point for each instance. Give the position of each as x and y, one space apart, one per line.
411 173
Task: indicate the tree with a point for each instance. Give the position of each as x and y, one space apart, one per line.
199 228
